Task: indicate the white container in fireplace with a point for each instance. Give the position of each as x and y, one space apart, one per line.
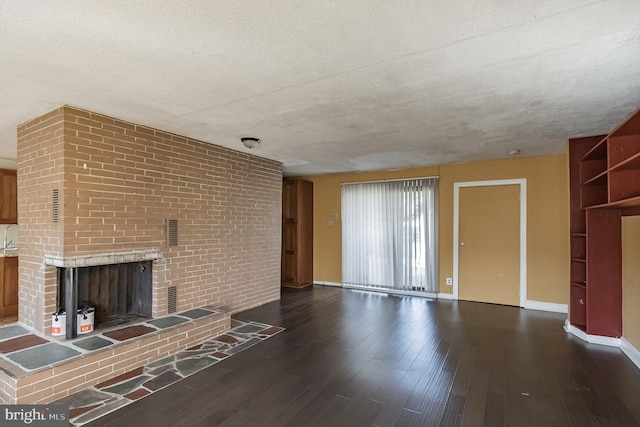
59 323
85 320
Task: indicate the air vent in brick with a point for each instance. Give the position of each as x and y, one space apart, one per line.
54 210
172 232
172 299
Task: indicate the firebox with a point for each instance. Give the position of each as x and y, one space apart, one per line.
119 293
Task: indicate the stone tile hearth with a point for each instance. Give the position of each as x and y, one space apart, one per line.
26 354
92 343
129 332
32 351
96 401
20 343
43 355
12 331
37 368
168 321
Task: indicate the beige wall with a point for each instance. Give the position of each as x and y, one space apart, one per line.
8 164
547 218
631 279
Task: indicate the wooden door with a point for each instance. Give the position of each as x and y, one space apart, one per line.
9 274
297 233
290 254
489 244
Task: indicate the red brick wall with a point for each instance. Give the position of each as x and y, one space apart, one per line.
40 170
227 204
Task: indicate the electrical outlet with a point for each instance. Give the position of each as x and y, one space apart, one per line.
449 281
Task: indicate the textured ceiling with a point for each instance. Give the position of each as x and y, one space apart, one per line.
332 85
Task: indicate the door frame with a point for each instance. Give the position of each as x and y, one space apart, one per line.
522 182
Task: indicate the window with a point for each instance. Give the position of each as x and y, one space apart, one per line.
389 234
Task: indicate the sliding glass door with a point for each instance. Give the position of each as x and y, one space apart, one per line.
389 234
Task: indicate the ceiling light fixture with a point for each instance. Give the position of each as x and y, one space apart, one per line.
514 152
250 142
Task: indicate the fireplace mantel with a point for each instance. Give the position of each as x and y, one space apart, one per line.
102 259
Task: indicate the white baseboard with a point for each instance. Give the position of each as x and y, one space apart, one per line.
546 306
631 352
627 348
323 283
444 296
391 291
592 339
382 290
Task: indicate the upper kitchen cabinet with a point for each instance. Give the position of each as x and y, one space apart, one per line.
8 196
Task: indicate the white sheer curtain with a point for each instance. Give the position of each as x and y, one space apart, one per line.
389 234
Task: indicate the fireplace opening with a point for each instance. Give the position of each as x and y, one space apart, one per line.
119 293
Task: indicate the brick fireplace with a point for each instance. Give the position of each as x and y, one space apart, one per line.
94 189
116 287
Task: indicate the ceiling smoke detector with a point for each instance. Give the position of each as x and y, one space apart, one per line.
250 142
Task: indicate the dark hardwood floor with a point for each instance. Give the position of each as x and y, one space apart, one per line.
353 358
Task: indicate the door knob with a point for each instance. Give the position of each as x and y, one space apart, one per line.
462 243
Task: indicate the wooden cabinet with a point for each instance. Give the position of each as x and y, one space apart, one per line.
9 286
297 233
604 182
8 197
